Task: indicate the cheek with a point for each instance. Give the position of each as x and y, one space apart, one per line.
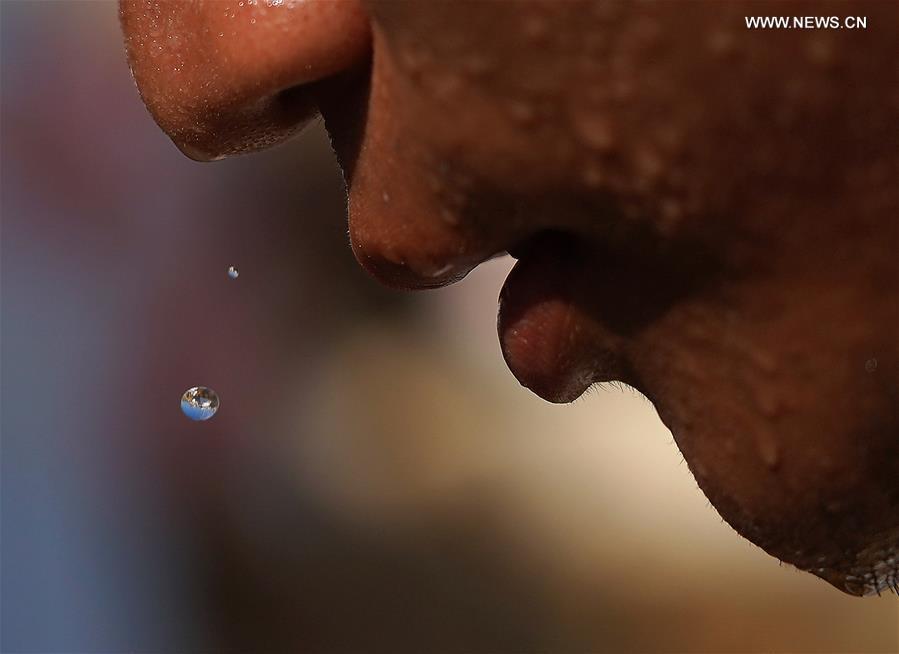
467 83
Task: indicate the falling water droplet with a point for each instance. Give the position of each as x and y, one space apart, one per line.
233 272
199 403
871 365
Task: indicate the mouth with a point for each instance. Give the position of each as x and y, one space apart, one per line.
548 332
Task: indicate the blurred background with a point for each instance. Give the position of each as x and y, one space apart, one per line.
375 479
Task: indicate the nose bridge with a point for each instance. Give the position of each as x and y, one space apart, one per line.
234 76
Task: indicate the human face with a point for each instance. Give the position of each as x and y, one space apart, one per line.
705 212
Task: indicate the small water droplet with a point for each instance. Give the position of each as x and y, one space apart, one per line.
199 403
233 272
871 365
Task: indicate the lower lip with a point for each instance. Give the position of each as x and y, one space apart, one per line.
543 331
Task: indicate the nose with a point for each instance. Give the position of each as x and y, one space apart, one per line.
235 76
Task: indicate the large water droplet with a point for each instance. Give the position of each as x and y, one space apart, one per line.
199 403
233 272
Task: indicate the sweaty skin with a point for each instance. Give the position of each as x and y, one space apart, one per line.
705 212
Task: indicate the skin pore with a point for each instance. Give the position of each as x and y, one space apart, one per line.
705 212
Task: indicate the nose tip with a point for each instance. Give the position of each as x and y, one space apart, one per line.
223 78
398 227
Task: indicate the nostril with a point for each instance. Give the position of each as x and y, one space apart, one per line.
217 133
222 82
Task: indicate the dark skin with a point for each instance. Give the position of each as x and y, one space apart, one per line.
705 212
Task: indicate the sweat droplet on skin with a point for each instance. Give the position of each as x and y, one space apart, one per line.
594 130
199 403
768 450
522 112
591 175
233 272
449 217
